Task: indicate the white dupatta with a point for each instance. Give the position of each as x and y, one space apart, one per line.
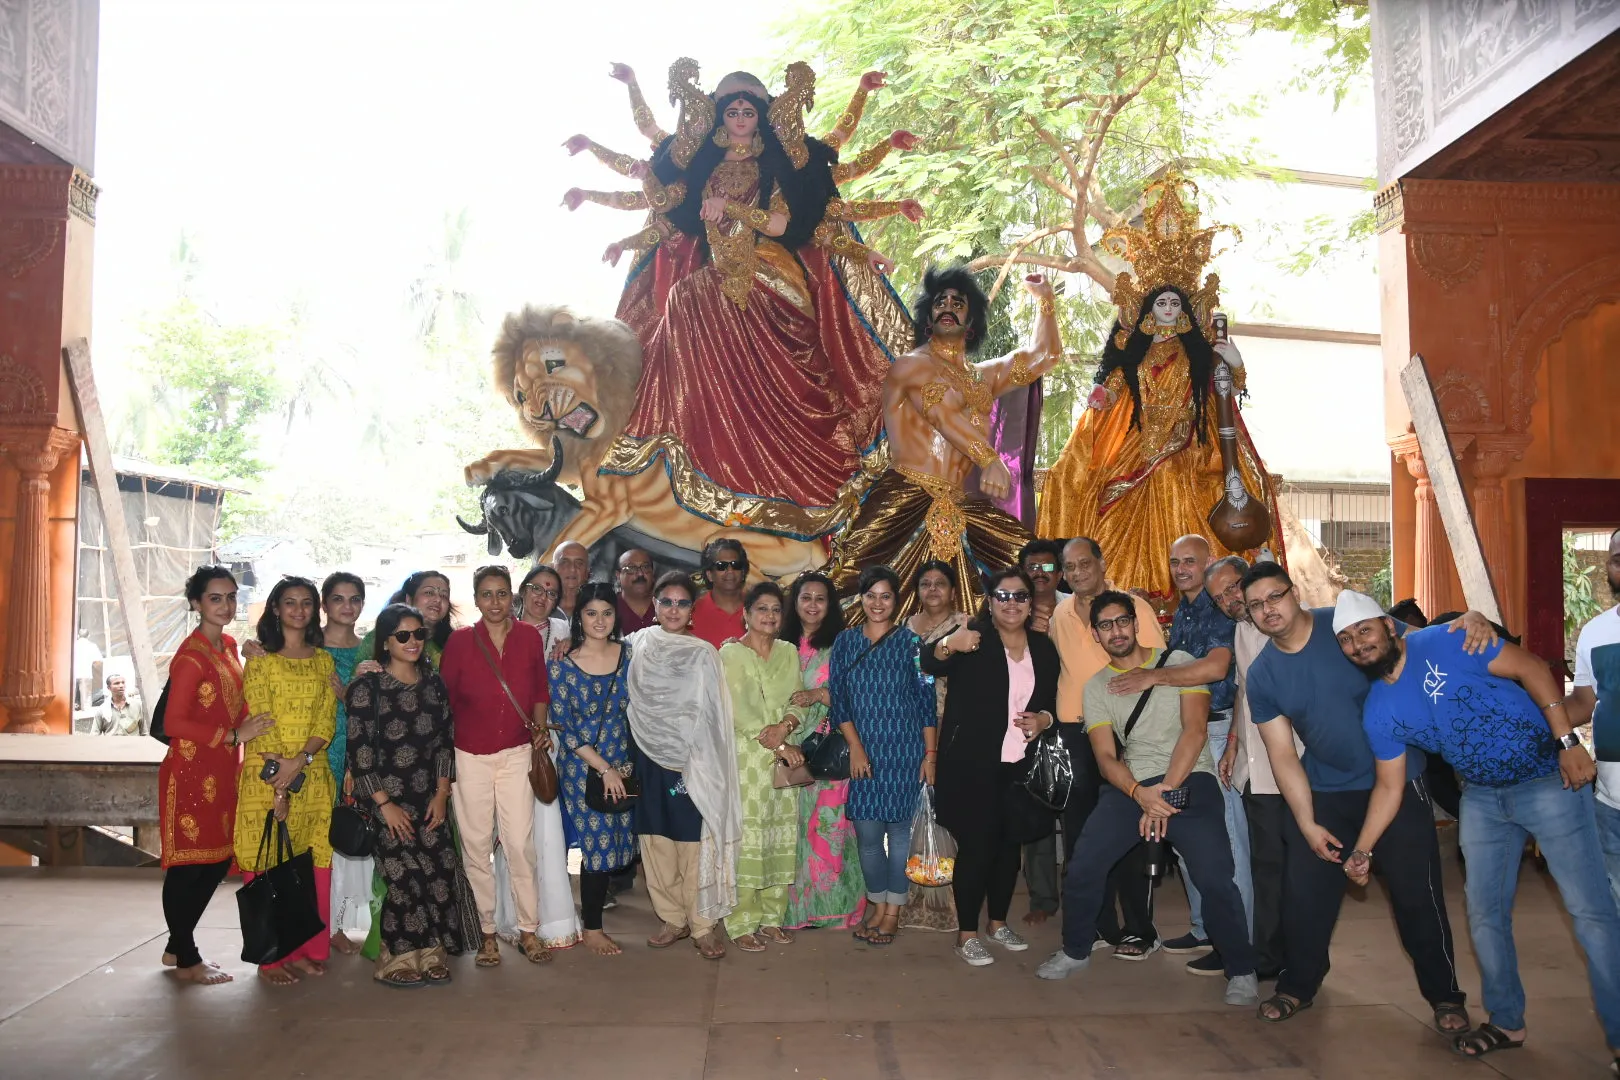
680 715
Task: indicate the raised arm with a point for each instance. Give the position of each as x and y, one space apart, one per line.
623 164
870 158
645 122
656 231
872 210
1044 353
833 237
839 135
574 198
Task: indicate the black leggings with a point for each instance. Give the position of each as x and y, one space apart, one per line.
187 889
986 864
593 894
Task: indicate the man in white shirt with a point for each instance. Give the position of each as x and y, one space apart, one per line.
1597 698
119 714
1246 768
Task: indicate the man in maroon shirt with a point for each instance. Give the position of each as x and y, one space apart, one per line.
636 573
717 617
495 672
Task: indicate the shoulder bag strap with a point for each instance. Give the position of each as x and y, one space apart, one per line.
496 668
871 646
1141 702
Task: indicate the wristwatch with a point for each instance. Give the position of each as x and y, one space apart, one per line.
1569 741
309 758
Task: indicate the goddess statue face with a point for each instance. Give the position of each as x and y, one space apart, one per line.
1166 308
741 119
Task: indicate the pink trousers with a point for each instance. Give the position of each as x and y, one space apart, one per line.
319 947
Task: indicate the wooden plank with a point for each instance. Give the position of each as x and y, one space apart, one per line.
1449 496
104 478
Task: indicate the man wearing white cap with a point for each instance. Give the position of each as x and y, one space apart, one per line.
1498 717
1302 683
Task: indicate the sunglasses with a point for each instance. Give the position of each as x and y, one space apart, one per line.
1008 596
671 602
1043 567
402 636
729 564
636 568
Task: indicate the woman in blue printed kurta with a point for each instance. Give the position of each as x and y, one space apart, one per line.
885 709
589 699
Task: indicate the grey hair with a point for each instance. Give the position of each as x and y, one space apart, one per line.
1236 562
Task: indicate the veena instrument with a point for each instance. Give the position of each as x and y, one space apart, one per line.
1240 521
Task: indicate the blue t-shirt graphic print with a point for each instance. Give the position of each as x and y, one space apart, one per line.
1448 703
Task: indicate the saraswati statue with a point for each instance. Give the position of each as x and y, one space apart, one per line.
765 326
1161 450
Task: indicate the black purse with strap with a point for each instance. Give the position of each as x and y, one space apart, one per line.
826 754
596 796
356 824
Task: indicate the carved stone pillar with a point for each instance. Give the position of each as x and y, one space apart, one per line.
26 688
1494 455
1431 585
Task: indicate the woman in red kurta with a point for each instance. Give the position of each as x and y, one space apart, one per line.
206 721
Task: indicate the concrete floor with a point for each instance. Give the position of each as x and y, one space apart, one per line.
82 996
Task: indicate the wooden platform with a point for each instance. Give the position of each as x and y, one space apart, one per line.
84 996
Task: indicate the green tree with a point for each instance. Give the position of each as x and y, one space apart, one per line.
218 382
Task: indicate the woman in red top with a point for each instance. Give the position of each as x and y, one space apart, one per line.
495 726
206 721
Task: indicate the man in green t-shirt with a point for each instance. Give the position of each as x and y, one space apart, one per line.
1166 753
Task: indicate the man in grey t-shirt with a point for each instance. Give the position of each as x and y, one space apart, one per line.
1166 751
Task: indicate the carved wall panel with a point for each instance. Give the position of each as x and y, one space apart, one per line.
48 74
1451 259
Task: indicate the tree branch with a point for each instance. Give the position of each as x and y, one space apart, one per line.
1017 251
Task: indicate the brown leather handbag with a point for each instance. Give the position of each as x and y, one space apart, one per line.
542 770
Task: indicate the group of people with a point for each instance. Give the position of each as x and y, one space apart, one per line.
1265 742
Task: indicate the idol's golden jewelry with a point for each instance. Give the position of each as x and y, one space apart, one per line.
1047 307
1169 249
1020 374
1149 325
1183 324
752 216
861 163
980 453
722 138
786 113
933 394
849 121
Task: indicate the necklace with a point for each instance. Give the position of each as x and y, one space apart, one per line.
964 379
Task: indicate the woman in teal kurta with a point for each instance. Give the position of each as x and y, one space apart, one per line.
762 673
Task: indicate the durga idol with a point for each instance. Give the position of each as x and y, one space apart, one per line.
766 326
1145 465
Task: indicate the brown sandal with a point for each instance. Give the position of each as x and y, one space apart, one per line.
489 953
404 979
710 945
776 935
534 950
668 935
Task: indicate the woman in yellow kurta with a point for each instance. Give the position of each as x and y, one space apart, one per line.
762 674
293 683
1143 467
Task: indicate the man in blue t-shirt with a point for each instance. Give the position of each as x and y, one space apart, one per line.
1301 683
1498 717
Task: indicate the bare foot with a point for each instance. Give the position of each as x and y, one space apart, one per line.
1035 918
309 967
344 944
278 976
600 944
206 973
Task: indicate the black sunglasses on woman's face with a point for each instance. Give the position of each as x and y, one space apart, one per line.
402 636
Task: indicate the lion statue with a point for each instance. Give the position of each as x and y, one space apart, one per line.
572 382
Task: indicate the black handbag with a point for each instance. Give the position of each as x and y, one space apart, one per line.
1051 774
826 754
354 830
596 793
277 908
156 728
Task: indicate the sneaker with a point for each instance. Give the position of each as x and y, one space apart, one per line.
1060 965
1138 950
973 952
1008 939
1243 990
1101 943
1188 942
1208 964
610 903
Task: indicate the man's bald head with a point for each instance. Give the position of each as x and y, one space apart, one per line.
573 562
1188 557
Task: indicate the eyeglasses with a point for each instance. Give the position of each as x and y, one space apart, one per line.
1043 567
1234 589
636 568
1123 622
541 590
729 564
402 636
671 602
1008 596
1268 601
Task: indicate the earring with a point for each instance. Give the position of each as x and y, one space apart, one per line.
1183 324
722 138
758 144
1148 324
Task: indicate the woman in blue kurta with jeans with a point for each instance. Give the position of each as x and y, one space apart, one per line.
885 709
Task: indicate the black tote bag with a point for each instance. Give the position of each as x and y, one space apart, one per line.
277 908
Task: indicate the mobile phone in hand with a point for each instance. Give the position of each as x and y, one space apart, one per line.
1176 797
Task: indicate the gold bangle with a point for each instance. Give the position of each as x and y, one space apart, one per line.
1047 307
980 453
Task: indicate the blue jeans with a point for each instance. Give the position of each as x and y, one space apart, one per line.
1608 824
1237 828
885 872
1495 823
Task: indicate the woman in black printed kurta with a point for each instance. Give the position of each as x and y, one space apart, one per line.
402 758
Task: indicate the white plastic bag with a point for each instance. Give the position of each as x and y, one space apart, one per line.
932 859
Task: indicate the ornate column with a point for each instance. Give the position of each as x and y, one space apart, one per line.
1431 585
1494 455
27 686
